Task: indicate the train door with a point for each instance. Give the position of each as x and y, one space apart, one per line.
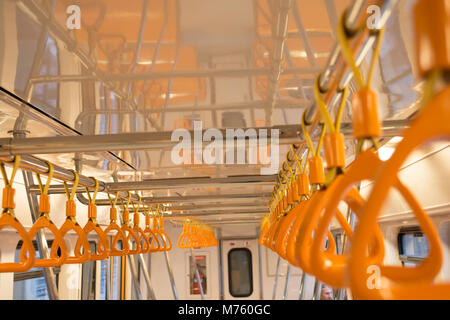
240 269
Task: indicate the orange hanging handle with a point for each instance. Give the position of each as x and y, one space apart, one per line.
93 226
44 222
153 238
164 234
113 226
183 235
329 267
8 219
142 237
129 233
71 224
430 125
157 231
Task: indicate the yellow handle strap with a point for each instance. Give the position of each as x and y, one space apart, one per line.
44 190
9 182
125 207
112 201
92 199
71 194
331 127
297 160
347 53
305 161
136 208
306 134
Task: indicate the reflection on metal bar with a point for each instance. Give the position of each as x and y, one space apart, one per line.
275 284
147 277
286 285
153 140
197 274
280 35
220 213
160 184
125 77
59 32
108 279
134 276
171 277
302 287
317 289
258 104
332 14
49 275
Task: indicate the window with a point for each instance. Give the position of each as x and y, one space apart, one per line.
412 246
31 285
240 275
43 58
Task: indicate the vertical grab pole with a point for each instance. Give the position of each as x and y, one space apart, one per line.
147 277
49 275
171 277
134 276
286 285
197 274
302 287
276 279
108 279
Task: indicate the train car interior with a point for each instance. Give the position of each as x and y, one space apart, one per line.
225 150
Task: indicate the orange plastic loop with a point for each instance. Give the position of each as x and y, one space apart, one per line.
92 211
432 24
126 216
28 248
71 208
303 184
113 214
8 198
334 150
316 173
44 203
366 122
290 199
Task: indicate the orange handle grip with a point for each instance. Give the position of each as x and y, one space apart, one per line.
316 173
143 239
8 198
44 203
303 184
113 214
130 235
366 122
92 211
119 236
334 151
54 260
103 243
82 242
153 239
71 208
7 220
432 24
431 124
